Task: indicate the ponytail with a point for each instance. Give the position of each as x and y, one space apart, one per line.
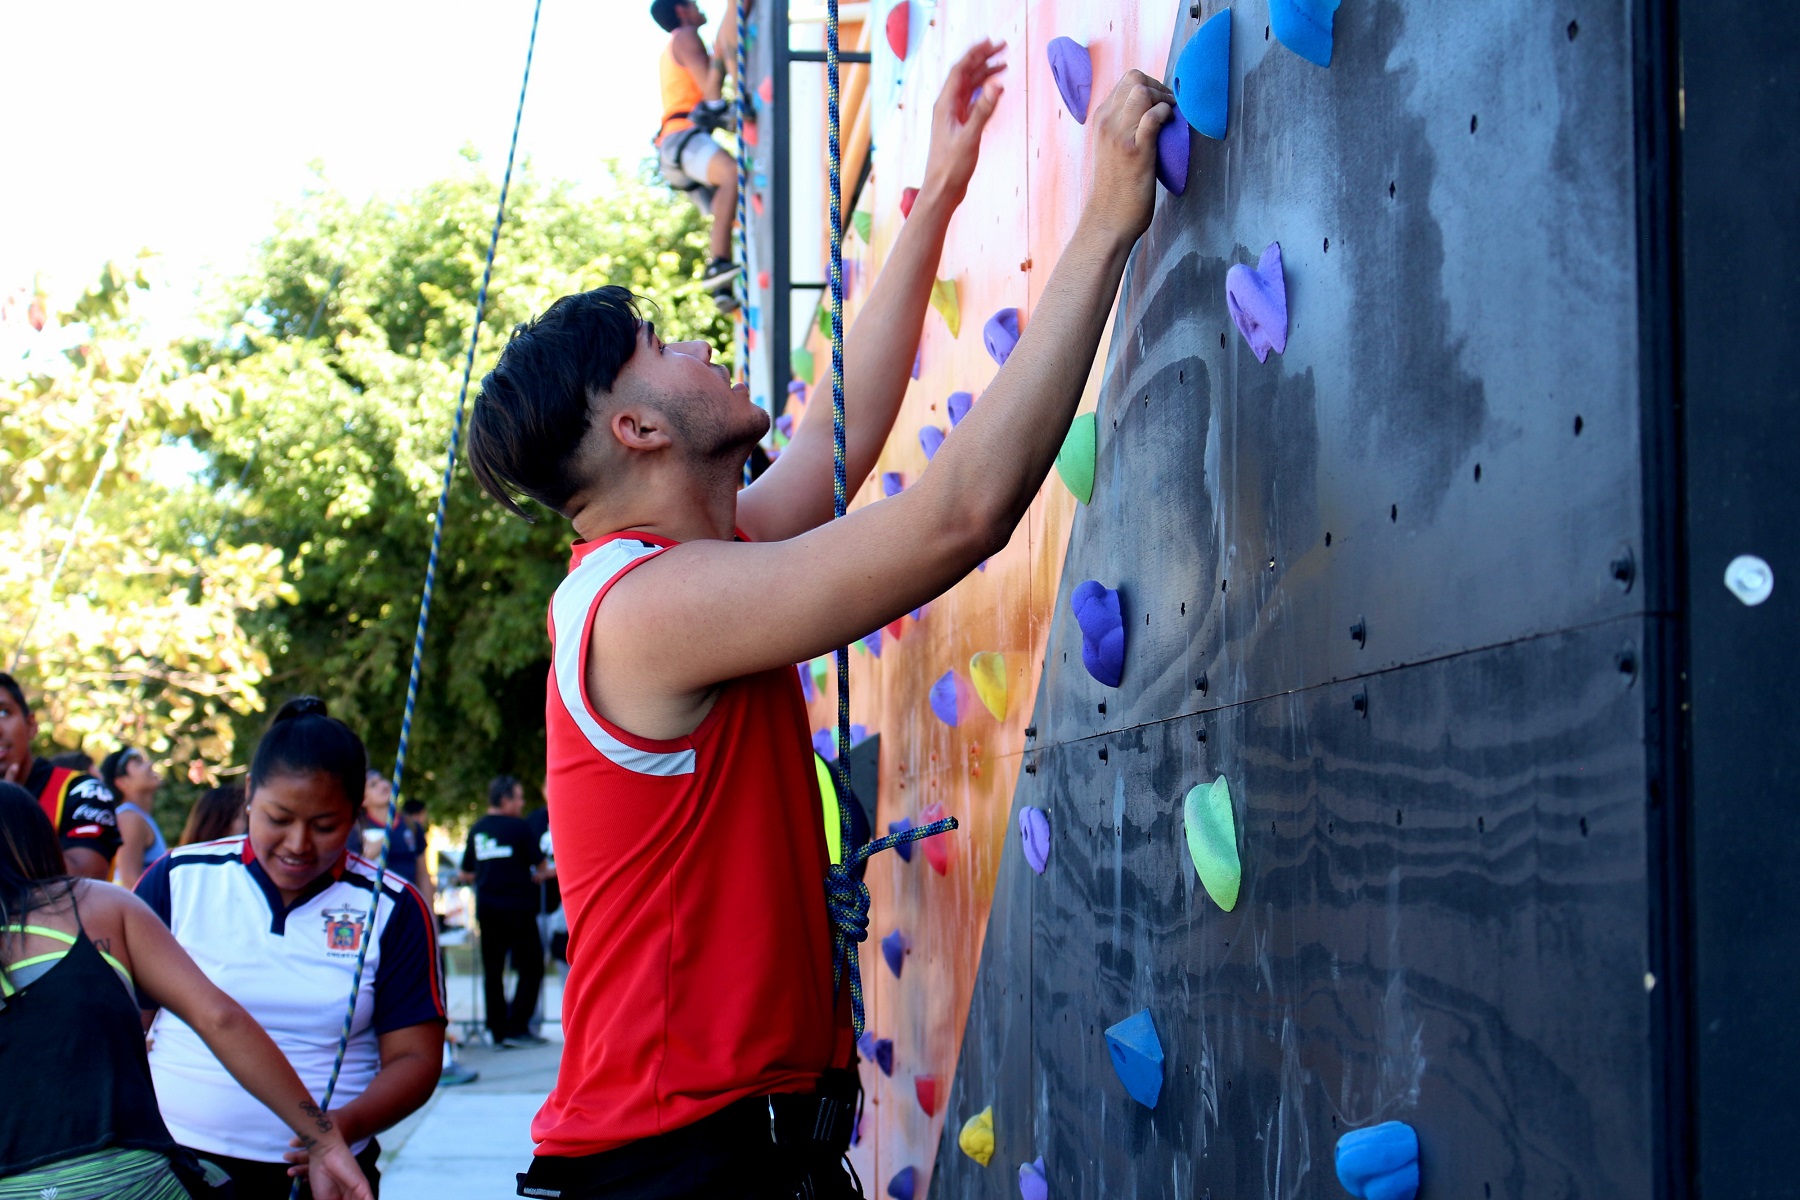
305 739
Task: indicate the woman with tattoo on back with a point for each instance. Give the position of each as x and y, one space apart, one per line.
80 1119
278 919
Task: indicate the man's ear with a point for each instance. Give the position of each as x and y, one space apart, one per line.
640 428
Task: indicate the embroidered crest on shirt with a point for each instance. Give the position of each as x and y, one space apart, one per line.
344 928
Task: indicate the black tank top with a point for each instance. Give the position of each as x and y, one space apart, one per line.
77 1076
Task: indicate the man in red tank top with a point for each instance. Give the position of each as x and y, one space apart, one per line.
708 1054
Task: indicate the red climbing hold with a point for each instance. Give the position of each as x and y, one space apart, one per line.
899 28
937 849
907 196
762 281
766 89
925 1088
750 134
756 202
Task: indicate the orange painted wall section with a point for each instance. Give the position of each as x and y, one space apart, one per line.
1003 244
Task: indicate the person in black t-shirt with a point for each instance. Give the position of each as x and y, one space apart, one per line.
83 810
501 859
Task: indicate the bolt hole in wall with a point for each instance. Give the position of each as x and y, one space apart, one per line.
1574 30
1394 513
1477 472
1472 122
1578 424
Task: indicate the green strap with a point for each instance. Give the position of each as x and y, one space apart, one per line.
60 936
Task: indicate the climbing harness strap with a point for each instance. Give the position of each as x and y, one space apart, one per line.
431 563
846 895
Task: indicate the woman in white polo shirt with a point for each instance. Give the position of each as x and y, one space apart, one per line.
276 918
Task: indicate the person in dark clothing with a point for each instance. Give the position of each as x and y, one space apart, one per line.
83 810
75 957
502 859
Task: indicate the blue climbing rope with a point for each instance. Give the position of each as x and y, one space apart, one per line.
740 102
846 896
437 542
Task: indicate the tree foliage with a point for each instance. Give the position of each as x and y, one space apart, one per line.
322 412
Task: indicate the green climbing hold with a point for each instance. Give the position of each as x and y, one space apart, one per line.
802 361
1212 841
863 222
825 321
1075 461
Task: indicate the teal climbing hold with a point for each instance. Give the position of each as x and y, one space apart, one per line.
1137 1056
1203 77
1212 841
1304 26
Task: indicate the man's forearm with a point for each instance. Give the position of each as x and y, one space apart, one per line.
879 347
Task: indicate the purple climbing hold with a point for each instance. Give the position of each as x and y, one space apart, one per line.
893 948
892 483
873 643
785 423
1173 143
1034 1183
858 734
931 439
1034 836
944 699
884 1056
904 849
1257 298
806 684
797 387
1097 612
959 405
1001 334
903 1184
1380 1162
825 745
918 361
865 1045
1073 69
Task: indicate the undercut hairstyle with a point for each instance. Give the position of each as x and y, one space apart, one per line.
305 739
11 687
665 14
500 790
535 406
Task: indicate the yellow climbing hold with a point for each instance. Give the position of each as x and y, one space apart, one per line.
977 1136
988 670
944 298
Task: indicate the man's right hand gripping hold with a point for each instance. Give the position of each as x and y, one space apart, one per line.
683 802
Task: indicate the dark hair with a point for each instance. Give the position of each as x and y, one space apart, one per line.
499 789
74 760
213 815
535 405
413 808
9 684
31 861
305 739
115 764
663 13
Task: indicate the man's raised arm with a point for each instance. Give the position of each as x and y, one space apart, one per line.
794 495
698 615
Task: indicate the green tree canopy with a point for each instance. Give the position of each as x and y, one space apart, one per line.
321 415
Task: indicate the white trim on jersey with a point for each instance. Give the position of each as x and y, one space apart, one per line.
569 611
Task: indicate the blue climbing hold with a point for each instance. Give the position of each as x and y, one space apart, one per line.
1001 334
1173 145
944 699
884 1056
959 405
893 948
1137 1056
1073 69
1304 26
931 440
902 1185
872 643
892 483
1203 77
1380 1162
1034 1182
904 849
1102 623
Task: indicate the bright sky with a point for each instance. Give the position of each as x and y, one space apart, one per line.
181 127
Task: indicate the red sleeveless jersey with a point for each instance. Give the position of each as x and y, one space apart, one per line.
693 875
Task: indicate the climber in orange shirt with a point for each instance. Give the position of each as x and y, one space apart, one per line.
690 158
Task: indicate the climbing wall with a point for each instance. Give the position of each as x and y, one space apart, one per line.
1385 586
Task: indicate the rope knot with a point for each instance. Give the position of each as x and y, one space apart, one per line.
847 903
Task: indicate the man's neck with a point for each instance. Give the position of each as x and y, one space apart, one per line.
696 513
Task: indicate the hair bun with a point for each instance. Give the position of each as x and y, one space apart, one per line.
301 706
